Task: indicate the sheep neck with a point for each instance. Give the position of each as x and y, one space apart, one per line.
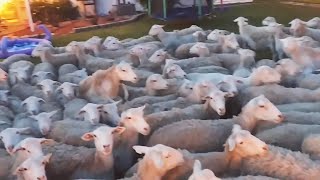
232 159
147 170
103 160
246 119
130 136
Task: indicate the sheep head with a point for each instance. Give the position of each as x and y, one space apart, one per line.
44 120
125 72
156 30
158 57
201 174
91 112
133 119
268 20
200 49
11 136
32 104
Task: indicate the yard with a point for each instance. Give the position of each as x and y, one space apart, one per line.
224 20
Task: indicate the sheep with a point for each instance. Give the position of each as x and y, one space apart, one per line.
39 124
80 162
48 87
246 61
183 51
32 105
279 135
159 57
5 64
43 71
66 69
20 71
208 69
271 20
134 123
303 55
204 174
278 94
300 107
140 40
91 112
259 108
314 23
91 63
157 161
298 29
172 40
33 168
72 108
66 92
75 77
310 145
12 102
57 60
173 71
228 45
154 83
193 62
12 136
258 38
189 30
106 83
109 114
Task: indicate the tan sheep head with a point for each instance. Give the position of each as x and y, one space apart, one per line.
244 144
33 168
125 72
133 119
201 174
163 158
31 146
156 82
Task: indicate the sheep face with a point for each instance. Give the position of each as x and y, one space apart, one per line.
103 138
156 82
175 71
288 67
241 21
4 96
229 84
33 168
163 157
91 112
265 75
156 30
68 90
31 146
186 88
44 121
200 49
296 27
133 118
32 104
244 143
11 136
3 75
110 112
217 101
216 35
314 22
199 174
268 20
231 41
138 50
18 75
263 109
40 76
126 73
48 86
158 57
113 45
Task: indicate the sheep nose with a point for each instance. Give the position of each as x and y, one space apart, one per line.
185 76
33 112
41 178
106 146
281 117
135 78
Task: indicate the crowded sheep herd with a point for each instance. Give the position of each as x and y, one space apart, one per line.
190 104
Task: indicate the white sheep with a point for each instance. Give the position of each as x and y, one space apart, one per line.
298 29
12 136
269 21
66 92
246 62
258 38
80 162
75 77
106 83
257 110
12 59
193 62
91 112
43 71
48 87
134 123
173 71
67 68
32 105
314 23
57 59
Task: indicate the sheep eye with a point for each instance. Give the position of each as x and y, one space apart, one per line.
262 106
94 135
23 169
23 149
241 143
106 112
158 55
154 80
129 118
123 70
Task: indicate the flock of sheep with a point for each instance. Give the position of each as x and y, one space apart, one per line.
197 104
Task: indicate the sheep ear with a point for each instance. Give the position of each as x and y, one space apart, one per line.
88 137
24 130
197 166
118 130
231 144
141 149
46 141
46 158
